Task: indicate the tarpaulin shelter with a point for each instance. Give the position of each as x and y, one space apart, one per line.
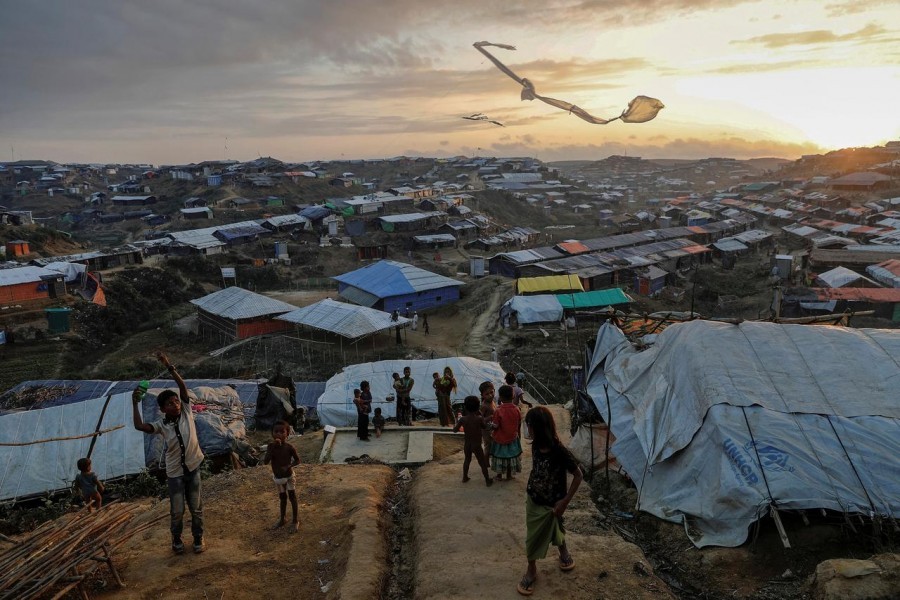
35 460
718 424
335 406
541 308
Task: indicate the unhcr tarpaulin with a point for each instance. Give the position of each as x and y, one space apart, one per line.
336 406
718 423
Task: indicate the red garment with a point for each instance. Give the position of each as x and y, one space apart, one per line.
506 418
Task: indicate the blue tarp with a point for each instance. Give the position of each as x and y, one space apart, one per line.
315 213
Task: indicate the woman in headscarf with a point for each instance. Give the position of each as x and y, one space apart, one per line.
443 387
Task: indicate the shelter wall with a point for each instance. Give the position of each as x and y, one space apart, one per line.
420 300
251 328
23 292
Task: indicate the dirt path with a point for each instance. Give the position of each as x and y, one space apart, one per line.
478 342
341 523
470 541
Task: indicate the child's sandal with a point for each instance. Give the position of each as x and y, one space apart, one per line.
567 563
526 586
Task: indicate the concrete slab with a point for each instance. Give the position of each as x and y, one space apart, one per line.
396 446
420 446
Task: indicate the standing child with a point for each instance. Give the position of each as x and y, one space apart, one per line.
506 449
378 422
547 496
518 395
472 424
518 392
183 455
362 398
284 458
89 485
488 408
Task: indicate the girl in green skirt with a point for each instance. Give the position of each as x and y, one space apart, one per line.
547 495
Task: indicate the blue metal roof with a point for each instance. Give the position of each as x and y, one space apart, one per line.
387 278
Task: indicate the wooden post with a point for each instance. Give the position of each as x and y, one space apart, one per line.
112 567
781 532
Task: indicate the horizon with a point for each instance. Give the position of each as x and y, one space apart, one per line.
167 83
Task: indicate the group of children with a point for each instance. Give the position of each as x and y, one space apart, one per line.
493 433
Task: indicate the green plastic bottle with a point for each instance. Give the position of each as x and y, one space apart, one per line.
143 386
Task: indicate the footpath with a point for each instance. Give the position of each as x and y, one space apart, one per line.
470 540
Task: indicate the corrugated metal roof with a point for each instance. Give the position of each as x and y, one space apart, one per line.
524 257
573 247
346 320
411 217
203 237
387 278
730 245
237 303
437 237
358 296
25 275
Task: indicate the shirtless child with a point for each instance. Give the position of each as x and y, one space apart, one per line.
472 425
284 458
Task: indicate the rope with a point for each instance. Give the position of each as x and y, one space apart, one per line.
94 435
852 466
758 459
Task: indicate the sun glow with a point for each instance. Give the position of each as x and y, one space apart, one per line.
834 107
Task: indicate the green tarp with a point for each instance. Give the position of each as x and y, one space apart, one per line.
593 299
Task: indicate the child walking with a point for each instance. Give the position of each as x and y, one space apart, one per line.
472 424
284 458
89 485
547 495
506 449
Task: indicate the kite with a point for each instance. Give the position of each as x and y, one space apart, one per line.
483 117
640 110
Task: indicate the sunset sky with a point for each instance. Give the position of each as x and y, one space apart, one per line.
166 81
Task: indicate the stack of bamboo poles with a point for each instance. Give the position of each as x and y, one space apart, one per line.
60 555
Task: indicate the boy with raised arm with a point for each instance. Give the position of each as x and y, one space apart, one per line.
183 456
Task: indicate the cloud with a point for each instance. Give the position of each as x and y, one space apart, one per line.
764 67
852 7
868 33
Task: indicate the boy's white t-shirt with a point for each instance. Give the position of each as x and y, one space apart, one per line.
193 456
